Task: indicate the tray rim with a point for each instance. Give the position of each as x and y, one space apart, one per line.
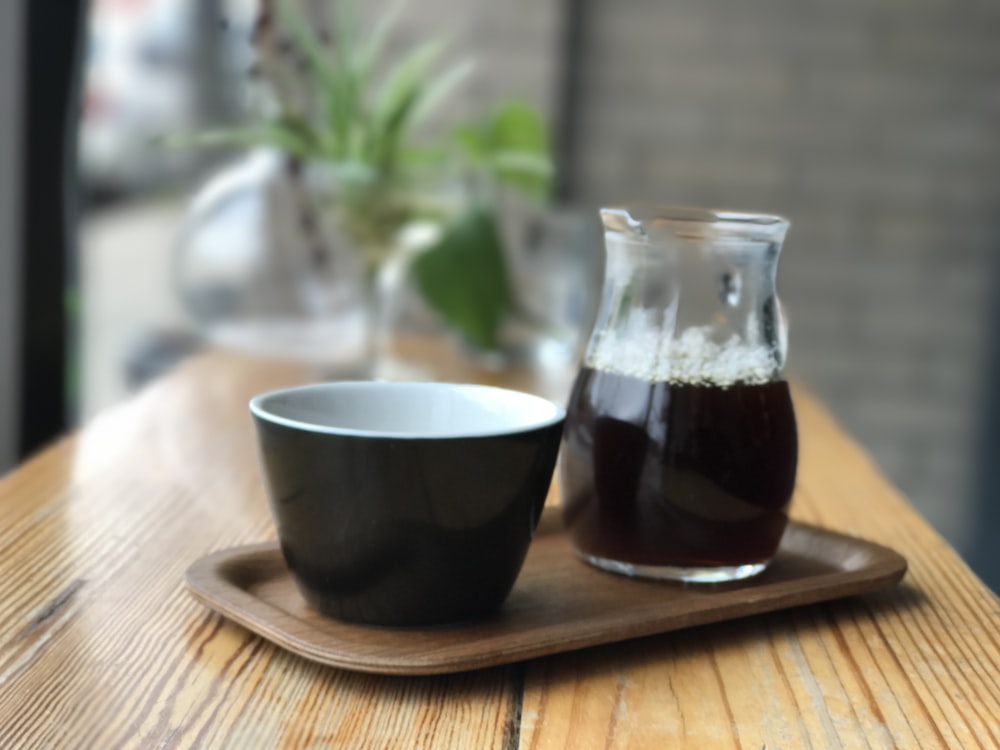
260 616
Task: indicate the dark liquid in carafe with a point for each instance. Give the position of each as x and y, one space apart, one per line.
663 474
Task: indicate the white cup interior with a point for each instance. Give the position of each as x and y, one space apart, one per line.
406 410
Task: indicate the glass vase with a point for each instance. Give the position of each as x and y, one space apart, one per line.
262 266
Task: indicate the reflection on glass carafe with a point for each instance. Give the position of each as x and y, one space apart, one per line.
680 448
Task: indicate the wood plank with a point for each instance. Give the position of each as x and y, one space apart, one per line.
101 646
918 666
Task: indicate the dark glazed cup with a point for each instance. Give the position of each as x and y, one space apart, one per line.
406 504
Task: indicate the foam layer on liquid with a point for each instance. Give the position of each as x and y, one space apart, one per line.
693 358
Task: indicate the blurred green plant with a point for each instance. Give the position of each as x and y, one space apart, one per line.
363 125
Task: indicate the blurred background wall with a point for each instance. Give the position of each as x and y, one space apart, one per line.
873 126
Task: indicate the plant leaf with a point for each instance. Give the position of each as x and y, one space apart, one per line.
350 173
406 77
425 156
517 126
464 277
264 134
441 88
512 147
473 140
345 30
338 87
297 126
370 53
308 43
530 172
395 102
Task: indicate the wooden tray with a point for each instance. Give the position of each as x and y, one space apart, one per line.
558 604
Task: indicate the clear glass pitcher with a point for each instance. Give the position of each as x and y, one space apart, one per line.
680 449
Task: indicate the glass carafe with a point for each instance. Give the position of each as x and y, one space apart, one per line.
680 449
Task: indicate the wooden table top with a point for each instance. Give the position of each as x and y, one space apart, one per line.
101 646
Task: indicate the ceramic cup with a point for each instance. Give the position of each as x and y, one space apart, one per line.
405 504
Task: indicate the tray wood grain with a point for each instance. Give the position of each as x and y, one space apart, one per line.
558 604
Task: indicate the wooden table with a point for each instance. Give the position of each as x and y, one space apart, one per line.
101 646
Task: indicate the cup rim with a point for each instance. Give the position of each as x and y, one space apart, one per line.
258 407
